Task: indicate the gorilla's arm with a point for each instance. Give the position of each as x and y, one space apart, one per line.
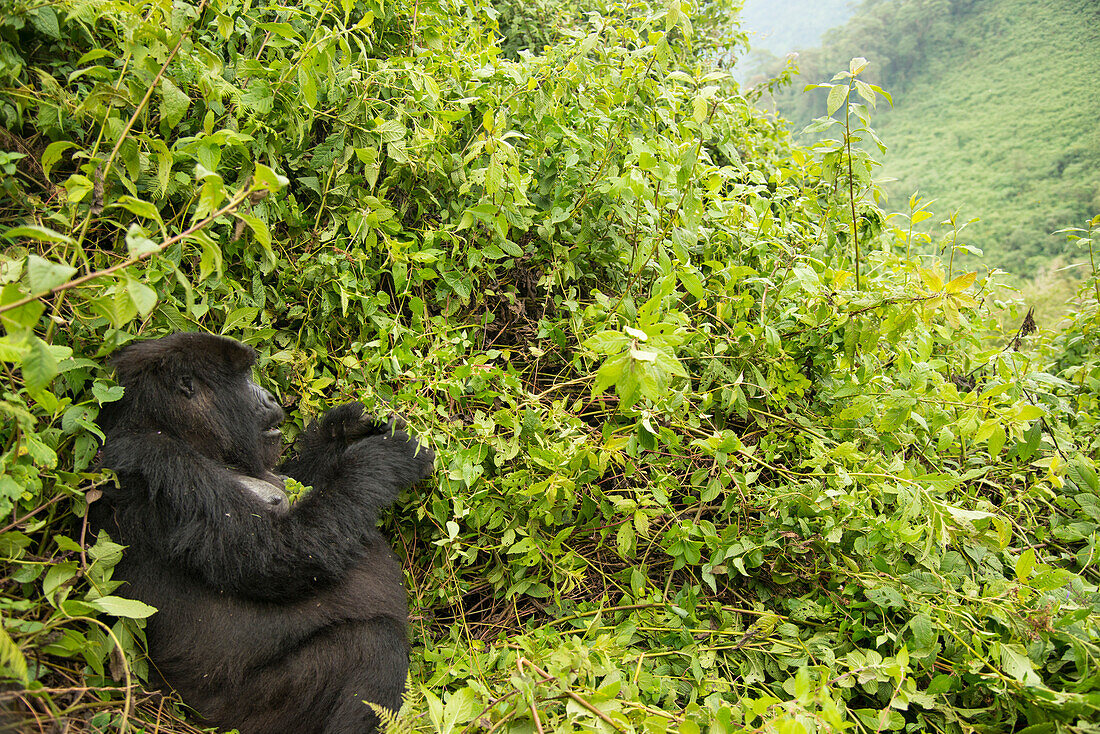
348 446
197 515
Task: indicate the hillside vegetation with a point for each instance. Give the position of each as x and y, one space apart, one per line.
721 446
995 109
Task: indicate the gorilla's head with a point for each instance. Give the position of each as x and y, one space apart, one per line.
198 388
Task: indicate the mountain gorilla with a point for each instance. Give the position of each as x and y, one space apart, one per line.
272 618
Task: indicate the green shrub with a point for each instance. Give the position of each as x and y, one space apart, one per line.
694 472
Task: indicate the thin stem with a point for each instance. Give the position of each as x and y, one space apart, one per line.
851 179
1092 261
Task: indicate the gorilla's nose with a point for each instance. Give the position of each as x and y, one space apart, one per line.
268 401
273 413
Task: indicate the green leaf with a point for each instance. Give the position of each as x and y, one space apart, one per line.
53 153
44 275
262 235
144 297
104 394
77 186
607 342
1015 662
138 242
961 283
138 207
996 440
838 95
211 260
1029 412
239 318
692 283
11 657
213 194
39 366
266 179
44 19
699 109
58 575
40 233
173 102
116 606
610 373
16 321
1025 564
819 125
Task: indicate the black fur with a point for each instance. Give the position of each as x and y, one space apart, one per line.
270 620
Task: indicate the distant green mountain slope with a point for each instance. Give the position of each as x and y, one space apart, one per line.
1005 122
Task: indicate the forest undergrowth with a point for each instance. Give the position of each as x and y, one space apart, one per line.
721 444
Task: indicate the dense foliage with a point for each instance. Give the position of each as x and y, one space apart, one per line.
720 445
996 112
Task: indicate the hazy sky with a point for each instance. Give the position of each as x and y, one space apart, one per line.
784 25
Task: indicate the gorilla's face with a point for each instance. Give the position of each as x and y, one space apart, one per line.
208 399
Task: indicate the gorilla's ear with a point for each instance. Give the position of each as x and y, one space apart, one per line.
238 357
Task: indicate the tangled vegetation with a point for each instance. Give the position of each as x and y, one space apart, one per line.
721 445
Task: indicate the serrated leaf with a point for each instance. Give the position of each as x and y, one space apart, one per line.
138 242
42 274
104 394
44 19
1017 664
39 366
239 317
173 102
607 342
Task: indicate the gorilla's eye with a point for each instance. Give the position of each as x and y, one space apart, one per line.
187 386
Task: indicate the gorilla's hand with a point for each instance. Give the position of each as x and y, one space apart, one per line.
391 444
349 423
349 447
